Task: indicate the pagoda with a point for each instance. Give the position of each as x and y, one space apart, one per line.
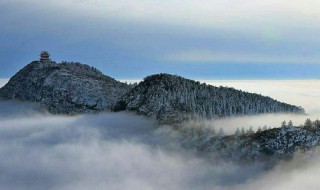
44 56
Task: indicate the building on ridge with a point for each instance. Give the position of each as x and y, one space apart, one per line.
44 56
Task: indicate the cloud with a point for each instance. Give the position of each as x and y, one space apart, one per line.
204 13
3 82
125 151
268 22
300 173
107 150
237 57
132 39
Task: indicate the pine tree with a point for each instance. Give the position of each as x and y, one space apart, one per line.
290 124
190 97
259 130
221 132
316 124
243 132
238 132
308 123
283 124
264 128
250 131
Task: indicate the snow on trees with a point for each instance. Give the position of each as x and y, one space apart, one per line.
187 99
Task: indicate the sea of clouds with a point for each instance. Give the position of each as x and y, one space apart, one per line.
124 151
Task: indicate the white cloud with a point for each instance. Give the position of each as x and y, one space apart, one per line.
125 151
217 30
107 150
236 57
3 82
203 13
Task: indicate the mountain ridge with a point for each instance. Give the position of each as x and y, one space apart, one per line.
72 87
276 143
173 99
75 88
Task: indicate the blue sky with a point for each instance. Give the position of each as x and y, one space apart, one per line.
130 39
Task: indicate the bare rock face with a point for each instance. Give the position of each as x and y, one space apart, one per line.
65 88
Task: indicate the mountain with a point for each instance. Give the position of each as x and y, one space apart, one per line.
65 88
174 99
70 87
276 143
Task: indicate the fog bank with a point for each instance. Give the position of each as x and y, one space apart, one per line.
101 151
124 151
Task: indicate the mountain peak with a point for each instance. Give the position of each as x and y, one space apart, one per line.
67 87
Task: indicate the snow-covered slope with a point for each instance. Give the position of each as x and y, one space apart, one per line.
65 87
76 88
173 99
266 144
277 143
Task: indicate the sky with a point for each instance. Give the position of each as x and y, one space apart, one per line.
130 39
